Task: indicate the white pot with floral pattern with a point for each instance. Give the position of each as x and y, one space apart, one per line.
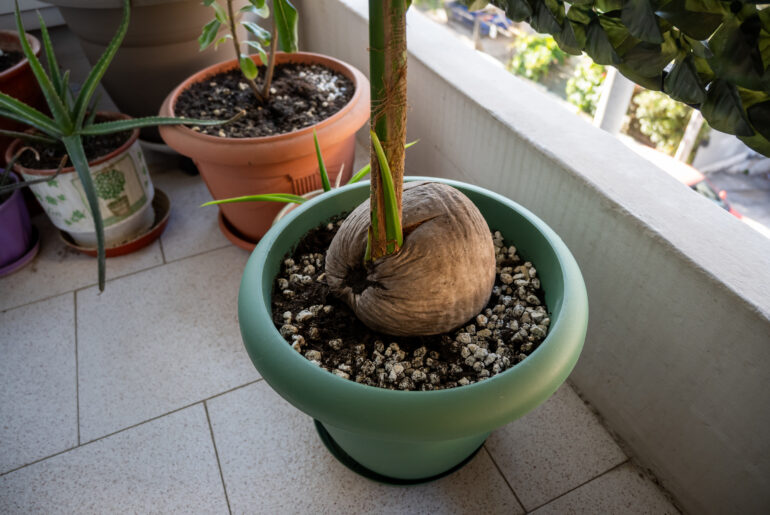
123 188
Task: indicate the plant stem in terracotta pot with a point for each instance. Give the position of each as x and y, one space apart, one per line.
266 152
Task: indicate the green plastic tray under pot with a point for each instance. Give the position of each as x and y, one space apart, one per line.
416 435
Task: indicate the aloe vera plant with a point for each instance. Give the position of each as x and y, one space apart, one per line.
283 33
73 116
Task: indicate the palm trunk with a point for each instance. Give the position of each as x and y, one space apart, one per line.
387 61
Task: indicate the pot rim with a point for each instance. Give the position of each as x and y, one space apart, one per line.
200 76
351 406
36 48
120 150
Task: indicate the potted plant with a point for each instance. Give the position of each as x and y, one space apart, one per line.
93 143
17 80
158 51
383 263
19 242
265 152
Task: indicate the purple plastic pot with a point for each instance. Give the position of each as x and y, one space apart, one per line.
18 242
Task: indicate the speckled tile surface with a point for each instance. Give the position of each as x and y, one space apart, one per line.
622 490
191 229
272 458
160 340
38 398
58 269
164 466
553 449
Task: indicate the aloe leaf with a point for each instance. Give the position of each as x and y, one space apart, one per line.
59 111
285 17
74 146
268 197
27 136
19 111
321 164
148 121
50 57
392 220
97 72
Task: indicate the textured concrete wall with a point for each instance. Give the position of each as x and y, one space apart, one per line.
677 358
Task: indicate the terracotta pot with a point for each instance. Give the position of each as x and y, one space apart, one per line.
19 82
64 200
284 163
160 48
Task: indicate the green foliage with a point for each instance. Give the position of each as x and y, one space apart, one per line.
285 21
109 184
584 87
661 118
535 56
73 116
713 54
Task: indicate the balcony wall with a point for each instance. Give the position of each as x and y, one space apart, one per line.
677 358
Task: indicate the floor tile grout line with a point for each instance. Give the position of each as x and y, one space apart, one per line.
77 366
162 253
499 470
627 460
91 285
216 453
131 426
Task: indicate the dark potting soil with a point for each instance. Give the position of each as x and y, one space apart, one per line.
51 154
9 58
324 330
300 95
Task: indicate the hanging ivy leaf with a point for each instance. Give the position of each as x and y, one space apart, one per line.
641 21
682 82
609 5
654 83
698 25
544 20
759 116
518 10
736 55
723 109
567 39
598 45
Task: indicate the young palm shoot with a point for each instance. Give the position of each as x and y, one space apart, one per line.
414 259
73 117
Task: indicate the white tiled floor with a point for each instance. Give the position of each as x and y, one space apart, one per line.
143 399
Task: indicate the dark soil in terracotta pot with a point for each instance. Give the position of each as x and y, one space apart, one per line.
325 331
300 95
9 58
51 154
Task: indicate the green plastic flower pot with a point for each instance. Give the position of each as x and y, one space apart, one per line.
412 436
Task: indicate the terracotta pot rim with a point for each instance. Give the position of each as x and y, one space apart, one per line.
233 63
103 114
36 48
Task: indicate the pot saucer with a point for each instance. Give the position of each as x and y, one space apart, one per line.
162 208
233 235
26 258
356 467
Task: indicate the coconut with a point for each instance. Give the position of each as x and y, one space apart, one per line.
440 278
